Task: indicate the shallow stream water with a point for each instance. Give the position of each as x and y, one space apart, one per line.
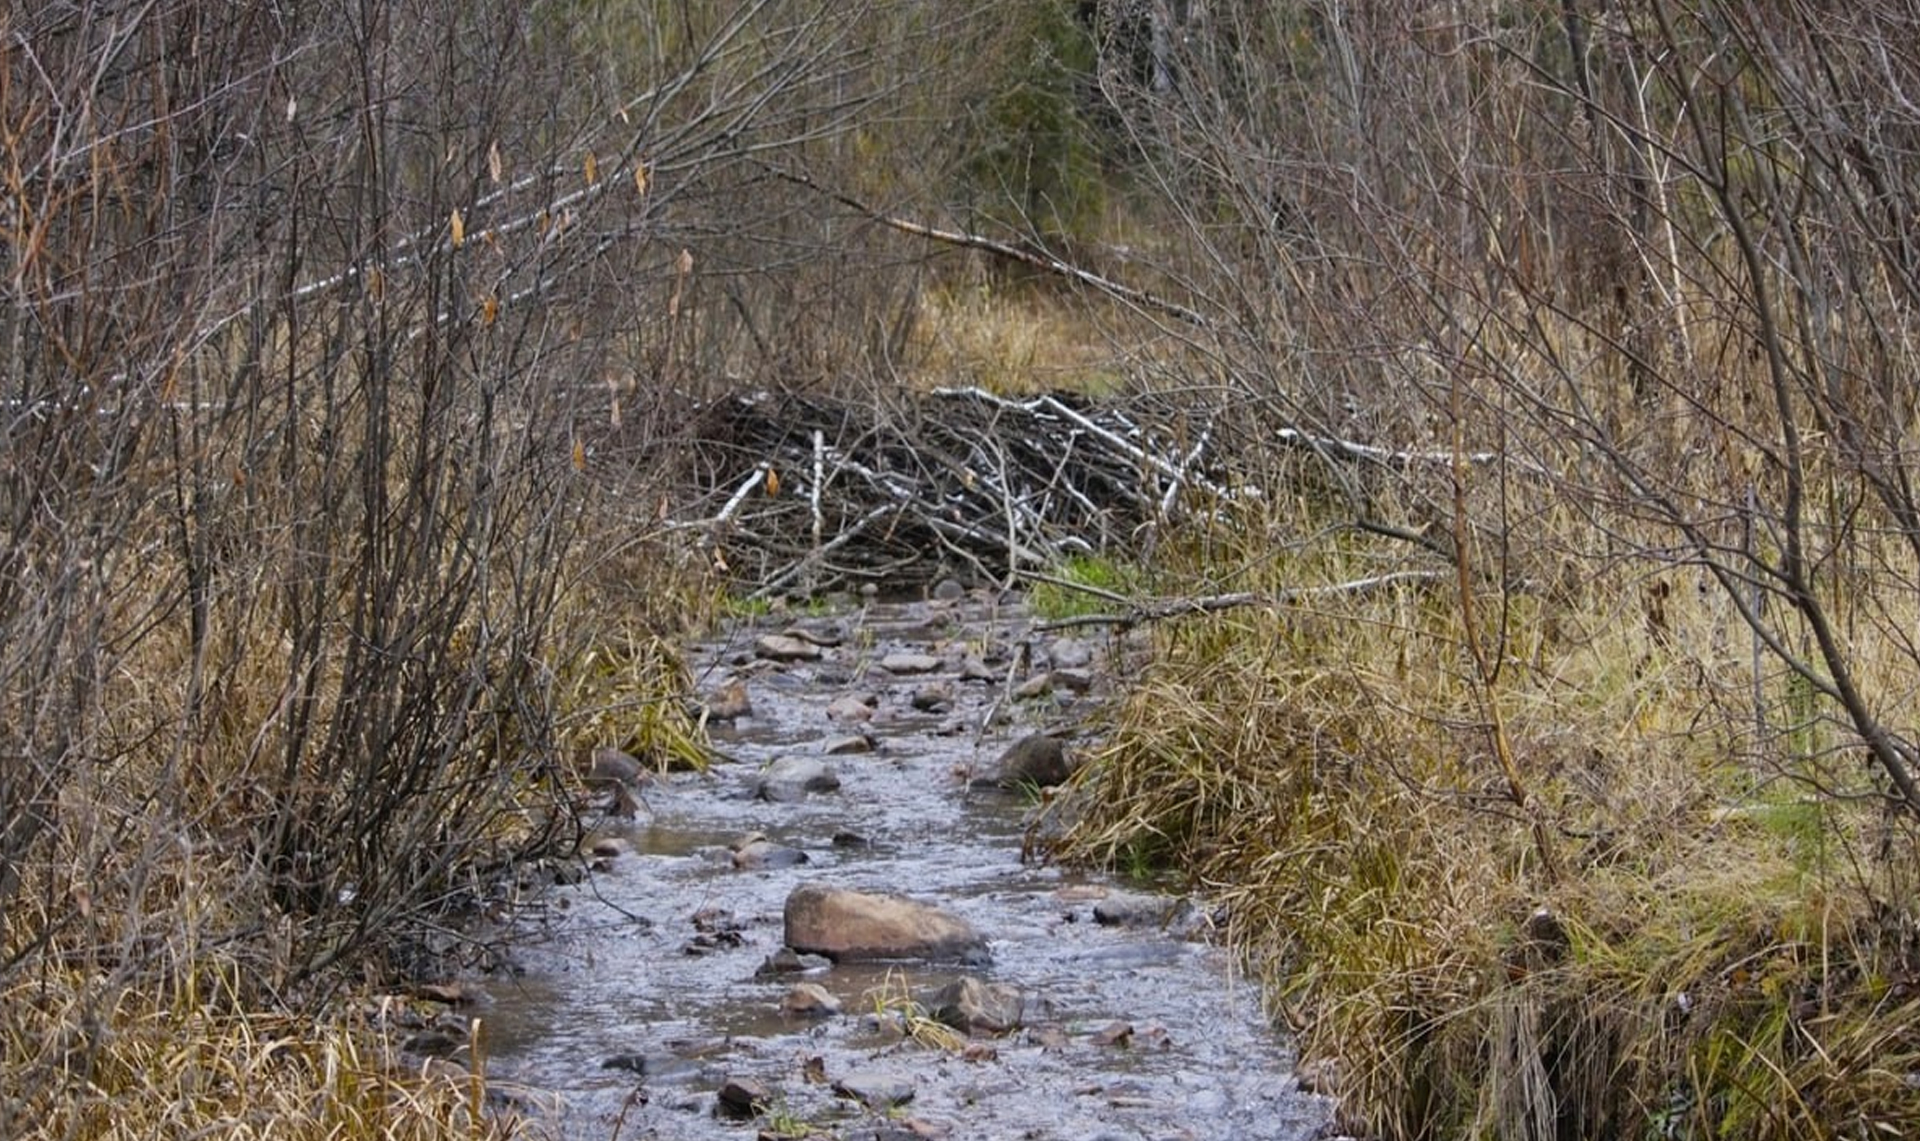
651 964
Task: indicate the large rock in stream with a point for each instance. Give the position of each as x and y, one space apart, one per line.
849 926
1035 761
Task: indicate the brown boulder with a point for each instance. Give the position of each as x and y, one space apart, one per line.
853 925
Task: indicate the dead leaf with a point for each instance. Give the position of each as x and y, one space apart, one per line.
459 230
494 165
579 455
773 482
640 177
489 309
593 169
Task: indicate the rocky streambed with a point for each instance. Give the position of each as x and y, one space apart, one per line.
835 934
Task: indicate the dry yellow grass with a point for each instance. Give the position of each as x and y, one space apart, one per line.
1724 955
1013 339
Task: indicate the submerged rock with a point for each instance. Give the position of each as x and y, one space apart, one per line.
787 961
741 1098
792 778
852 925
755 852
970 1004
810 1000
875 1090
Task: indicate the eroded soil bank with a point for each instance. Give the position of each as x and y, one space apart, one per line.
649 994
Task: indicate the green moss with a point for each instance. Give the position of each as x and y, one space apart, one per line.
1101 575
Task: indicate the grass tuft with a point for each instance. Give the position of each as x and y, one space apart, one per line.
1710 952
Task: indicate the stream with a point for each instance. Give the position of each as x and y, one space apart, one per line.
646 995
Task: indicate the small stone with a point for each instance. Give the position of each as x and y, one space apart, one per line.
810 1000
905 663
716 919
1069 653
523 1100
851 708
874 1090
970 1004
1038 685
757 853
784 648
823 634
935 698
974 669
848 745
790 779
949 590
845 839
741 1098
1073 681
1133 909
1114 1034
707 943
656 1066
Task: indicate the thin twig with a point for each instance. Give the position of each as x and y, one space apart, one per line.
1160 609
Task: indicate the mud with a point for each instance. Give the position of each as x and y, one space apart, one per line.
636 1014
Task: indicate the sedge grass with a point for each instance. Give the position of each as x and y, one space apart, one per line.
1325 770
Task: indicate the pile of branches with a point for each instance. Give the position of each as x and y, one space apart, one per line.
800 493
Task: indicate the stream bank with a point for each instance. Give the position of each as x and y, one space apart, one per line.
650 1009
